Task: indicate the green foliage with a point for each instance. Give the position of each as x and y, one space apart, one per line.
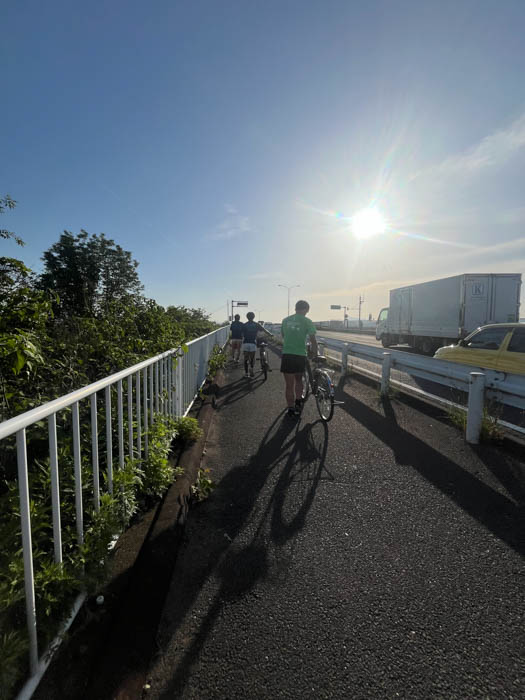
8 203
84 567
188 429
217 361
82 320
203 486
195 321
490 429
88 272
158 472
13 648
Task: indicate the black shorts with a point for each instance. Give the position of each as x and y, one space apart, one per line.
293 364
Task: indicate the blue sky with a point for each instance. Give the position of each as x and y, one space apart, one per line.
229 145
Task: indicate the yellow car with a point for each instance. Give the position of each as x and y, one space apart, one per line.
499 346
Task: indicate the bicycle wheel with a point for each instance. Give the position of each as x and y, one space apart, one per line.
324 396
306 385
264 364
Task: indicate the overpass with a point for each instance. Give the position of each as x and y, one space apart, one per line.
376 556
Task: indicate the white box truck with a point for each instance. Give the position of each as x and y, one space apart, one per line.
429 315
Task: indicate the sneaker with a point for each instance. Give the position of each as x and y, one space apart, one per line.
298 404
251 373
293 413
246 375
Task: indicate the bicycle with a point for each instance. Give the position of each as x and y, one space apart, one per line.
263 358
320 382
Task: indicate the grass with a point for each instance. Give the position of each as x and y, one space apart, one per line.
490 430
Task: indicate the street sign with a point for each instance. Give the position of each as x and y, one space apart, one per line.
335 306
241 303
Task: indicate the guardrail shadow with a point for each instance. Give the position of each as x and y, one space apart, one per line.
494 510
240 569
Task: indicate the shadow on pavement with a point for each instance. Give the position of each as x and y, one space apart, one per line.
238 389
494 510
239 570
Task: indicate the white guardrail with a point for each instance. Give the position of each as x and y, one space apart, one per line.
507 389
157 385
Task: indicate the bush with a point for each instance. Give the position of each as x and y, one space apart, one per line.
188 429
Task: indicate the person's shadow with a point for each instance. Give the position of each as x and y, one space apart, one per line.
240 569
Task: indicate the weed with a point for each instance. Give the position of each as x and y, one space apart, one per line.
217 361
188 429
490 430
203 486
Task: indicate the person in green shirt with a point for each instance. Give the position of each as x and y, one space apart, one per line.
296 329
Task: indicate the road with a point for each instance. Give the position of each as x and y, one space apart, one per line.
359 338
378 556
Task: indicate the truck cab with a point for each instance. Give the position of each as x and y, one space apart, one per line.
381 326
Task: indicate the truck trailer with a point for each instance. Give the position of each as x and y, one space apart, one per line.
432 314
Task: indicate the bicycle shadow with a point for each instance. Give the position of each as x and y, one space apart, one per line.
240 569
306 463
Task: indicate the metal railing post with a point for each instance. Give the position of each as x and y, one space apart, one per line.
139 416
180 389
78 474
130 417
55 488
120 416
109 440
157 385
94 453
151 395
385 373
145 399
476 395
23 486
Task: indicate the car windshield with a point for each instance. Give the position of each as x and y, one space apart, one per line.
487 339
517 342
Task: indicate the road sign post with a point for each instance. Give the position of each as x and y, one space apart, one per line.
238 303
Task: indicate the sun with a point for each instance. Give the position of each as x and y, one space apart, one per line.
368 223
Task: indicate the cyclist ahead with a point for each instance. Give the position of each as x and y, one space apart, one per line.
249 346
236 329
296 330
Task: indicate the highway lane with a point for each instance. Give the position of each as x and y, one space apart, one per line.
358 338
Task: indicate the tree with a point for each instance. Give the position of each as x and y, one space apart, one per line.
195 322
89 273
8 203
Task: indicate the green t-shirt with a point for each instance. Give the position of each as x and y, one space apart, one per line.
295 329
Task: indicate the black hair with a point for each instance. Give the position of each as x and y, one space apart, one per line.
237 317
301 305
250 315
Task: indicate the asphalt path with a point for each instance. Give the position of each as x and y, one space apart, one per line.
378 556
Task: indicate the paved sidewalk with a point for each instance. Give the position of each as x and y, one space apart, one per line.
378 556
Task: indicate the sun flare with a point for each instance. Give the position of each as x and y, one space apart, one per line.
368 223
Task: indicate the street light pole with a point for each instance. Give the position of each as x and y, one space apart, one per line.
288 288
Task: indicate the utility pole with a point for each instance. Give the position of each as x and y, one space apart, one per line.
361 300
288 288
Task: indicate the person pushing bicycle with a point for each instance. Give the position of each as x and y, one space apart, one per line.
296 330
236 341
250 329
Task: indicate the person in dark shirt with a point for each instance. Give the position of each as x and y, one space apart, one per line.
249 346
236 340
